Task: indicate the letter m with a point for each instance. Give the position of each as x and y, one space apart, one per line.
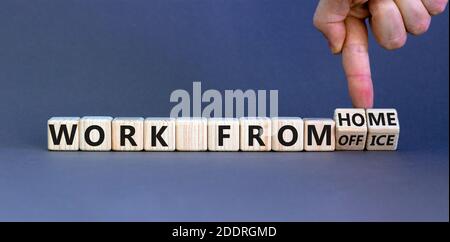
312 132
376 120
56 138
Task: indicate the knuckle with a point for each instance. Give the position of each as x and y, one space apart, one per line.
356 48
380 7
317 22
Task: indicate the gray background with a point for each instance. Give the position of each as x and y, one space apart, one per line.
124 58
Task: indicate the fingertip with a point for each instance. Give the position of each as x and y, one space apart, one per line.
435 7
394 43
421 26
361 91
335 49
387 24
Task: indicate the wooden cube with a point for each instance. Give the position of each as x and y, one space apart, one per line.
255 134
159 134
351 128
383 129
287 134
191 134
95 133
63 133
128 134
223 134
319 135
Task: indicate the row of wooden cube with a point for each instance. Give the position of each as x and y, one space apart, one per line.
351 129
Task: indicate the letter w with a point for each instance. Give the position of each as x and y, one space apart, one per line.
63 131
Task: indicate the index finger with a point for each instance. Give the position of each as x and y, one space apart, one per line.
355 59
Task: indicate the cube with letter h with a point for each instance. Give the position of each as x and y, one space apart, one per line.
383 129
351 128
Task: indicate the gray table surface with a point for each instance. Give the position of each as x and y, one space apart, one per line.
404 185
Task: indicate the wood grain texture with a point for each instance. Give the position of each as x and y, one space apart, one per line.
191 134
165 127
383 129
322 128
134 127
63 133
351 128
249 128
230 131
97 125
287 134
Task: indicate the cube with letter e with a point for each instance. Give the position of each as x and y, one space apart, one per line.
383 129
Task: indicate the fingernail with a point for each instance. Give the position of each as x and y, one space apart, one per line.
334 50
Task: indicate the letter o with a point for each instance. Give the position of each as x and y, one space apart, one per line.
87 136
343 140
294 135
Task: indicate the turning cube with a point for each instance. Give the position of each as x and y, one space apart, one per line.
255 134
223 134
63 133
191 134
159 134
287 134
383 129
319 135
351 128
95 133
128 134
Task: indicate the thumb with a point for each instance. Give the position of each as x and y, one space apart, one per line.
329 19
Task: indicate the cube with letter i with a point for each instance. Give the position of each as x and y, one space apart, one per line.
351 128
383 129
62 133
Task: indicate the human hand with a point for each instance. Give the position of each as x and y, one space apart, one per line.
343 24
